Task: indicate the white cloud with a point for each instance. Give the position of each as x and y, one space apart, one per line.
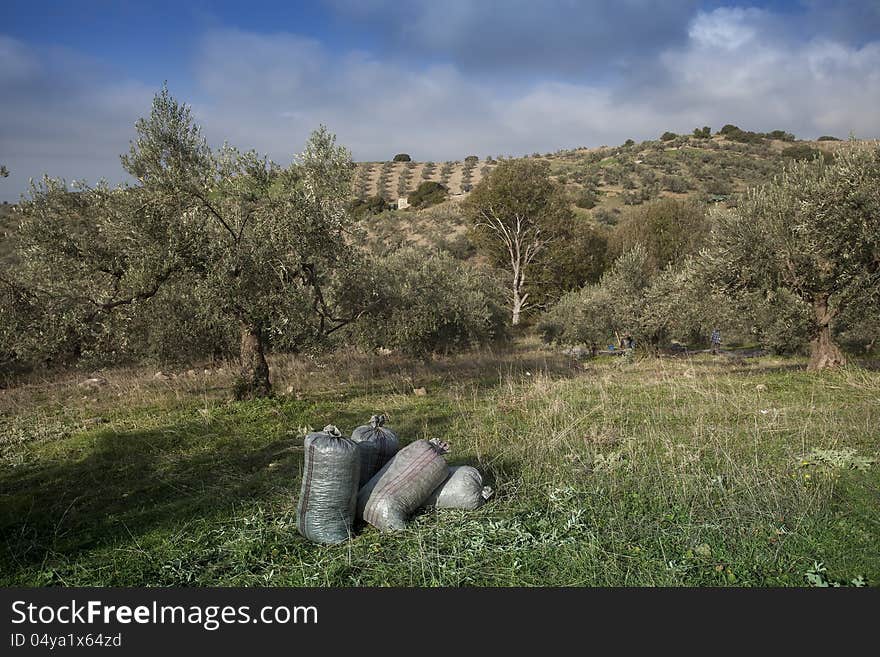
268 91
732 69
735 70
62 114
725 28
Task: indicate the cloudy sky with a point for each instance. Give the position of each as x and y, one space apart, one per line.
439 79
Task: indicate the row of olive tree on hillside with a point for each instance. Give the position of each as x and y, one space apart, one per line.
794 257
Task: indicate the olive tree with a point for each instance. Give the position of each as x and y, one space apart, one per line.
513 213
610 308
427 301
814 232
260 242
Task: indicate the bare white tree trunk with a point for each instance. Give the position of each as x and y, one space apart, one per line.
523 240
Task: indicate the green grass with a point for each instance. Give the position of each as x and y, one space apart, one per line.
653 472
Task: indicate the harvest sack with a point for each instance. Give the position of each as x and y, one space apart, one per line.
463 489
376 445
402 485
328 497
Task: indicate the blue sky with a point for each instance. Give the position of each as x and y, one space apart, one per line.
439 79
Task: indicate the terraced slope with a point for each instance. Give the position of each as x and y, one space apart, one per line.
605 179
393 180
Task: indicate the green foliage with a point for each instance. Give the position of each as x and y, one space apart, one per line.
430 302
606 216
402 157
781 135
781 321
668 136
256 239
744 136
734 133
516 214
577 257
828 138
676 184
805 152
813 232
586 199
654 307
668 229
471 160
703 133
427 194
593 314
859 331
681 305
371 206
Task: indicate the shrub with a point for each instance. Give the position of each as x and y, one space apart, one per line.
586 199
402 157
828 138
431 302
427 194
471 159
676 184
703 133
744 136
782 135
804 152
718 187
371 206
607 216
594 313
668 136
667 229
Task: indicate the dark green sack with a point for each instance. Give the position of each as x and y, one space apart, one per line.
328 496
376 445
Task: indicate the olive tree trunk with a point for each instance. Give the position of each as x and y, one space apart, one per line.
253 378
824 353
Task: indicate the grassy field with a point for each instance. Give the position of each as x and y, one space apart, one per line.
617 471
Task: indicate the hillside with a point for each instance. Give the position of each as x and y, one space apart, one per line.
712 169
602 182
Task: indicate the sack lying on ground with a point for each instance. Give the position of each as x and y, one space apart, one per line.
463 489
395 492
328 497
376 445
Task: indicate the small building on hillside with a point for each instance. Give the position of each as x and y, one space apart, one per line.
403 203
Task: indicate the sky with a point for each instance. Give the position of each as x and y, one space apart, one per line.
438 79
